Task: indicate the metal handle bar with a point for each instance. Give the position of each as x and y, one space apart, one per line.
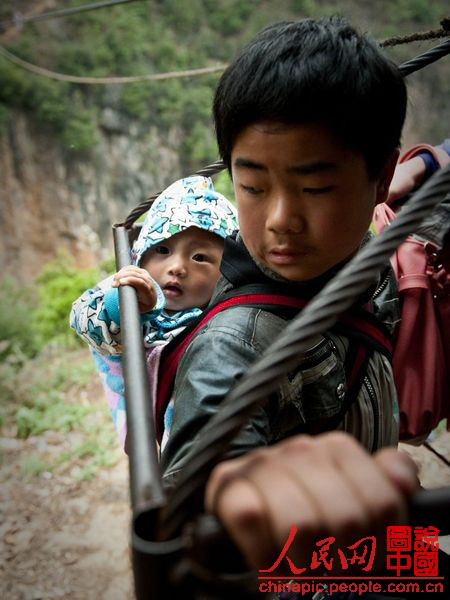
204 564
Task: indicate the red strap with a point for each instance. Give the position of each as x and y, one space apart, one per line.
369 329
170 363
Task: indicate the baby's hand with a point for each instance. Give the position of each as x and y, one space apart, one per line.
141 281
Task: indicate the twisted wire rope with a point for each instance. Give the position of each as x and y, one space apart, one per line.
406 68
139 210
426 58
319 315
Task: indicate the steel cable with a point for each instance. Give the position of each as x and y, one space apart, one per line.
410 66
426 58
318 316
139 210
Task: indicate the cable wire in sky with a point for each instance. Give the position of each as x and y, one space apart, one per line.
19 19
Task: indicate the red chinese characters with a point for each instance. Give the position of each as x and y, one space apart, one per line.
400 544
363 553
426 545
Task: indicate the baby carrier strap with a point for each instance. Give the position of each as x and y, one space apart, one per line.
365 332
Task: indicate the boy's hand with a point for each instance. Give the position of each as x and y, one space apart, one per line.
141 281
326 485
407 177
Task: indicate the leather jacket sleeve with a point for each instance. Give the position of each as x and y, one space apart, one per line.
216 358
219 355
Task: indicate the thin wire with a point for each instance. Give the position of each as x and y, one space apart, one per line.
188 72
19 19
106 80
441 457
406 68
141 208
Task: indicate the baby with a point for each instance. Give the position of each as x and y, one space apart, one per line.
175 268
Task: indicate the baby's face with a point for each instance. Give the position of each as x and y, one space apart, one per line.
186 266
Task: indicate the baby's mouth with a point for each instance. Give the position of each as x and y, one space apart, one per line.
172 290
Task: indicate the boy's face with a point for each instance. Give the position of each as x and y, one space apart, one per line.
186 266
304 201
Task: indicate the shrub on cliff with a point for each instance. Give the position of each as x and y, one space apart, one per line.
58 285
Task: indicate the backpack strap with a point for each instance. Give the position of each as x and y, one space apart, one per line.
362 328
440 156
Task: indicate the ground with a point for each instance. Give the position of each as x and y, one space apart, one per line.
63 538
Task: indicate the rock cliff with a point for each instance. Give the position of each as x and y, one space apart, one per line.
51 201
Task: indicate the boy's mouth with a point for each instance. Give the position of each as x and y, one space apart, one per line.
284 255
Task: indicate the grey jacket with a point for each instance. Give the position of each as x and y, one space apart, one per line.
309 395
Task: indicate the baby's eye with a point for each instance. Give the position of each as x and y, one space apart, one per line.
161 250
200 257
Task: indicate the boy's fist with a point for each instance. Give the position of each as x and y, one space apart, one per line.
141 281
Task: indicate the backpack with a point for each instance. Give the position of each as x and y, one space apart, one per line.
364 331
421 355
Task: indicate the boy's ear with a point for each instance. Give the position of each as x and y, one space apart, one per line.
385 177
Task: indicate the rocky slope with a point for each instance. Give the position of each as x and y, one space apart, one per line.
50 201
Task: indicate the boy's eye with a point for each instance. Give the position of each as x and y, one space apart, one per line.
161 250
250 189
200 257
315 191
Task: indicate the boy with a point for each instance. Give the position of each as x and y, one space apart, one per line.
175 268
308 121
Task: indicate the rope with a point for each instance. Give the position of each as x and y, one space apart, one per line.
207 171
263 377
420 61
105 80
18 20
419 36
32 68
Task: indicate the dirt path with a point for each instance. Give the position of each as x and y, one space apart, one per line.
65 539
62 538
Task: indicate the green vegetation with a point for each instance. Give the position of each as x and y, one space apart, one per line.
156 36
58 403
31 318
44 371
59 283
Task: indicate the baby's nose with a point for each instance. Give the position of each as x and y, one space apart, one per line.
178 268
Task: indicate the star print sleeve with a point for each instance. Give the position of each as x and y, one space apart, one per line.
95 317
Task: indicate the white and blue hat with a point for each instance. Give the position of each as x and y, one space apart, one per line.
189 202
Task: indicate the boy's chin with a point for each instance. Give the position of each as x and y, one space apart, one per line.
296 273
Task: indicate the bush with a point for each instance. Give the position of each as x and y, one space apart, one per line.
59 284
17 305
79 133
224 185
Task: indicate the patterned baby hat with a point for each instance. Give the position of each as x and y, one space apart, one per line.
188 202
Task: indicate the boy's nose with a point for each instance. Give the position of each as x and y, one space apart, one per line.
284 215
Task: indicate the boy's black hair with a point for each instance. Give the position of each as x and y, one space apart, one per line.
320 71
